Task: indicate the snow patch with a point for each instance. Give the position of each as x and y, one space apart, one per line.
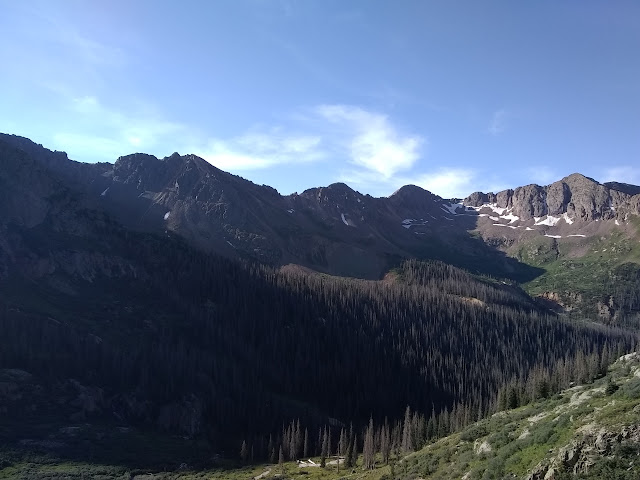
493 206
344 220
495 219
576 235
105 192
291 210
452 207
617 222
530 229
550 220
230 243
552 236
511 217
410 222
166 215
566 218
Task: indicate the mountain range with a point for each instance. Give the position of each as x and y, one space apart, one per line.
151 298
518 234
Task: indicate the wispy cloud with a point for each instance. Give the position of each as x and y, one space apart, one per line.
143 129
446 182
498 123
622 173
376 155
260 150
372 141
58 51
119 133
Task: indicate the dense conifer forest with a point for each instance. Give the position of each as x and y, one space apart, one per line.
284 359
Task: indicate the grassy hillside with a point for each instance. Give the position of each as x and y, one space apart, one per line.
587 431
597 276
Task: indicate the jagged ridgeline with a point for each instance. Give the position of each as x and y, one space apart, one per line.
185 341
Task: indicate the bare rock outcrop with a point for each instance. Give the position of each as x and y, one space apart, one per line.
578 196
580 455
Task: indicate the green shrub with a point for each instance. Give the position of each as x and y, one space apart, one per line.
632 388
474 432
543 433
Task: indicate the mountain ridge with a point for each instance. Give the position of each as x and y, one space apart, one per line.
334 228
520 235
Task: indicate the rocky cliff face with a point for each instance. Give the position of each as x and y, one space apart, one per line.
580 455
578 196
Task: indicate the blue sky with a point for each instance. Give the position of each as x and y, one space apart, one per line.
452 96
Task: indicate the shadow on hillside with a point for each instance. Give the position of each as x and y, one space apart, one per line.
111 449
460 245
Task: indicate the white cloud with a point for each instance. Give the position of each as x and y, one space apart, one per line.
498 123
143 130
119 133
378 156
85 146
372 141
447 182
260 150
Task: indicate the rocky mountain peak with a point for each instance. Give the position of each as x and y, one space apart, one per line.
412 196
578 196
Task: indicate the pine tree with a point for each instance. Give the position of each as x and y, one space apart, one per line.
368 450
325 448
348 463
298 440
281 459
271 450
513 400
244 452
407 434
354 452
385 442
